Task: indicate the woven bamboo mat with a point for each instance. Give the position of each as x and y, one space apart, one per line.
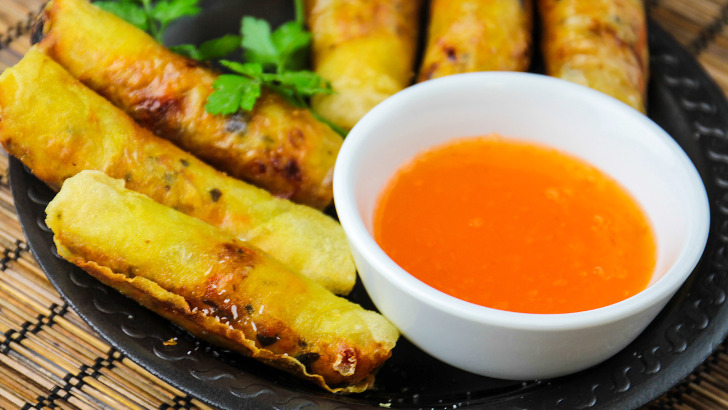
49 358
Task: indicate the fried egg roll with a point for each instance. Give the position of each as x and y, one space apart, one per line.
366 49
601 44
477 35
58 127
275 146
216 286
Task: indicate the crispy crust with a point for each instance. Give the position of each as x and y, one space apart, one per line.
366 48
275 146
70 129
601 44
215 286
177 309
477 35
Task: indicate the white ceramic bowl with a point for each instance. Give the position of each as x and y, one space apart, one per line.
608 134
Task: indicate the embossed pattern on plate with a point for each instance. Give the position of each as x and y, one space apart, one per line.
683 100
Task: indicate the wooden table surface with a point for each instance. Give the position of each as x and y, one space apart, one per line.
50 358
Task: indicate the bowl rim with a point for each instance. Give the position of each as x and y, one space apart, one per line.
360 238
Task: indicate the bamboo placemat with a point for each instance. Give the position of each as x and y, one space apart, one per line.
49 358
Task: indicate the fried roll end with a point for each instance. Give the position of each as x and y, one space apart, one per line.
70 128
601 44
366 49
477 35
276 146
215 286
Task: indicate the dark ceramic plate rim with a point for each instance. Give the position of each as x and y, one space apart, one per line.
684 100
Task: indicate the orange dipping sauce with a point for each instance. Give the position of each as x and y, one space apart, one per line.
515 226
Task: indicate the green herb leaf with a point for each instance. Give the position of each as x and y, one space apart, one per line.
306 83
219 47
290 39
228 91
187 50
233 92
257 42
274 60
166 11
253 70
210 49
250 95
126 9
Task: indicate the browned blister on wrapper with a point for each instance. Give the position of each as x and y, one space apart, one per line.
276 146
215 286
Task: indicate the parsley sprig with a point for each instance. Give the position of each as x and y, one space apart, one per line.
274 59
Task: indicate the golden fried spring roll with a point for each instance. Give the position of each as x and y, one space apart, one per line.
477 35
275 146
216 286
366 49
58 127
601 44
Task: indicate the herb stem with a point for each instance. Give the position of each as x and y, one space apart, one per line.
339 130
153 30
300 12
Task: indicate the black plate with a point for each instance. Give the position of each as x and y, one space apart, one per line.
683 100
